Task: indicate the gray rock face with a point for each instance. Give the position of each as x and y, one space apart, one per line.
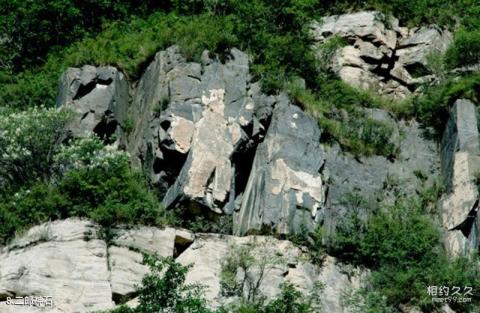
98 96
460 165
196 128
67 261
376 178
380 56
197 125
196 133
285 189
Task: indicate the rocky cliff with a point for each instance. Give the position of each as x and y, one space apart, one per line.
70 261
211 141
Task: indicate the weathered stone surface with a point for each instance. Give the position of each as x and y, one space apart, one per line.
98 96
380 56
160 241
285 189
376 178
368 24
197 128
337 282
460 165
70 263
208 172
125 254
209 251
62 265
414 49
460 135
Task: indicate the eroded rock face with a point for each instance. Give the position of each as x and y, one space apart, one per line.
68 261
55 260
285 189
98 96
197 126
361 183
460 167
380 56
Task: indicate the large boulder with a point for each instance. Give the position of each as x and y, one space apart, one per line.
98 97
379 55
285 190
460 166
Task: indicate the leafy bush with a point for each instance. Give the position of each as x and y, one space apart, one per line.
326 52
126 45
102 186
164 290
289 300
29 206
199 221
30 29
313 240
341 118
253 261
432 108
464 50
94 181
28 142
401 245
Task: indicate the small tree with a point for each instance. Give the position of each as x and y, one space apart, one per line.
28 141
164 290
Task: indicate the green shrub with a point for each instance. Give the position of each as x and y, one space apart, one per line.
432 108
254 260
33 28
28 142
30 206
464 50
164 289
290 300
104 187
401 246
313 241
198 221
126 45
326 52
92 181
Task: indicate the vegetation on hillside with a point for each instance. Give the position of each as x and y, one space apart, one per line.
263 28
43 178
164 289
88 180
401 246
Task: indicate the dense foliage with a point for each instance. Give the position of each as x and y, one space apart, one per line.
401 245
90 181
30 29
28 142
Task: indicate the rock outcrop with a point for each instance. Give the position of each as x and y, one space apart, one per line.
380 55
375 179
285 188
99 99
69 261
195 131
460 167
211 142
